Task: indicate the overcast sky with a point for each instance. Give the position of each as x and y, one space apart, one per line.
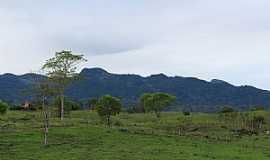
224 39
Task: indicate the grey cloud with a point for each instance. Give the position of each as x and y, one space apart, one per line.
204 38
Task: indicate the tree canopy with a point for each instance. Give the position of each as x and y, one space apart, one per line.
156 102
62 67
61 70
108 106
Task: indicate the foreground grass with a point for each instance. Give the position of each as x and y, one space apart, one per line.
135 136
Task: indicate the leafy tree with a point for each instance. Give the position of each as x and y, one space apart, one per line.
61 70
156 102
93 103
3 107
108 106
144 101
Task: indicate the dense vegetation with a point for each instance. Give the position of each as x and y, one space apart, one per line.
83 135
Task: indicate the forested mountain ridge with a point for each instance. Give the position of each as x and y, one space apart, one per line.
192 93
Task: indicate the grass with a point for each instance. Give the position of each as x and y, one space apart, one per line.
133 137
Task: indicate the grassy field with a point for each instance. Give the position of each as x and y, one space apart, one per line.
132 137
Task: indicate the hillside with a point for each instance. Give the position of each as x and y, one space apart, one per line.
192 93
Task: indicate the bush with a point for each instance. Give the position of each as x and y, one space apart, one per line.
186 113
258 108
243 132
16 108
3 107
227 110
135 109
118 123
68 104
74 106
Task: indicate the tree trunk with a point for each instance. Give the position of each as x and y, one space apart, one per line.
46 128
46 121
46 131
62 108
109 120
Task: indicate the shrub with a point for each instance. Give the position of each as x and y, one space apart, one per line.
16 108
93 103
135 109
118 123
3 107
227 110
186 113
68 104
257 108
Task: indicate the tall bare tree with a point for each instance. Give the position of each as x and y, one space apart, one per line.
42 90
45 91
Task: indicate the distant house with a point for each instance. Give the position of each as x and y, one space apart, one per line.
26 105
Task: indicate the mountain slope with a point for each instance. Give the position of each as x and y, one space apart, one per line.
192 93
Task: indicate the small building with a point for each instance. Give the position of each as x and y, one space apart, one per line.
26 105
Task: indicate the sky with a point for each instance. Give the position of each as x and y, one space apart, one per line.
208 39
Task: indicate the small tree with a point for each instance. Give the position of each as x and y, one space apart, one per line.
45 91
93 103
258 121
108 106
42 91
228 115
3 107
156 102
61 69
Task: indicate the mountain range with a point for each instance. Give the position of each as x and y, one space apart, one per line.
192 93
